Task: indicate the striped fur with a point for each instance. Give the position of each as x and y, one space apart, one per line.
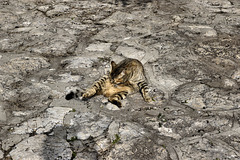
124 78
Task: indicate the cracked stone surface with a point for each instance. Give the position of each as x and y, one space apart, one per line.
45 123
41 147
190 50
88 125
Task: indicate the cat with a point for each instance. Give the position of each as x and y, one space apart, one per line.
124 78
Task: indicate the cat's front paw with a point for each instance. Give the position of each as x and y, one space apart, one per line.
88 94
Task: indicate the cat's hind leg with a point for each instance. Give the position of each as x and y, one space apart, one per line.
115 99
144 90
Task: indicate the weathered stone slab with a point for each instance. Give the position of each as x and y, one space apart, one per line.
101 47
24 65
119 17
196 147
3 116
236 75
12 140
130 52
57 10
202 97
87 125
30 148
1 154
44 123
115 34
79 62
59 44
41 147
9 44
203 30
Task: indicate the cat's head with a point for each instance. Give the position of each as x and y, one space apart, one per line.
117 74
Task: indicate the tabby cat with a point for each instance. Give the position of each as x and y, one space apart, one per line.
123 79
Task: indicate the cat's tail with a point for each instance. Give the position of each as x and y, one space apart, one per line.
73 95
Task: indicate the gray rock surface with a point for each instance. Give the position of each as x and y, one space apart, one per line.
191 54
42 147
88 125
3 116
24 65
44 123
1 154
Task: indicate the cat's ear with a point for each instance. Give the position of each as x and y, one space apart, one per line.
113 65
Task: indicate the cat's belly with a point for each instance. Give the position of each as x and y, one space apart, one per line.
111 89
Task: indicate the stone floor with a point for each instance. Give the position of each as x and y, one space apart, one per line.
191 53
